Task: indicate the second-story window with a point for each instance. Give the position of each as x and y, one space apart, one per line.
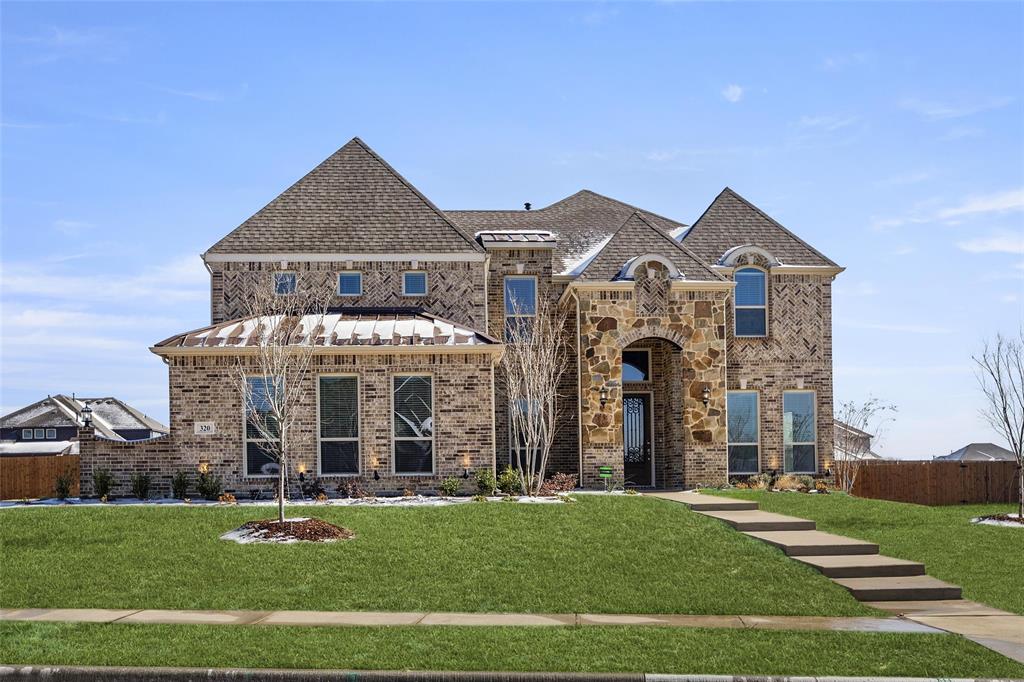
350 284
284 283
520 302
414 284
751 309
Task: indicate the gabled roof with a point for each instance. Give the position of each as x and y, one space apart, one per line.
732 221
108 415
980 452
342 329
579 222
353 202
638 237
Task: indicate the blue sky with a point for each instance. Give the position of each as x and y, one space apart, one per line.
890 136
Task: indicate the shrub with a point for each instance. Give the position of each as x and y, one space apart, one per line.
311 488
807 482
227 498
791 482
485 482
408 492
209 485
102 482
821 485
62 486
559 483
760 481
450 487
632 491
352 489
179 485
140 485
479 498
508 482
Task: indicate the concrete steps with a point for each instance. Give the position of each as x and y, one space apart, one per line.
901 588
862 565
753 520
813 543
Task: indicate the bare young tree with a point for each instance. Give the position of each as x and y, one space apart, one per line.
859 422
1000 372
535 360
287 314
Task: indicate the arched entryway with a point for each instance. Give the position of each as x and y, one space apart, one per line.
652 399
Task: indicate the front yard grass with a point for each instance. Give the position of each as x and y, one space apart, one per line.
594 649
622 554
984 560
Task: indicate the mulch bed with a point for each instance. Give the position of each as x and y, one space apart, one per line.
1006 518
303 530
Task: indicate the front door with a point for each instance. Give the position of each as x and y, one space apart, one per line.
636 438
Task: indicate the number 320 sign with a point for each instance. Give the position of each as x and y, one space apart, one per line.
205 428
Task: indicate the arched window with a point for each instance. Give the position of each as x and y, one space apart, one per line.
751 310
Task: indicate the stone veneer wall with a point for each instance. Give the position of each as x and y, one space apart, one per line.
455 289
202 389
798 349
564 455
694 320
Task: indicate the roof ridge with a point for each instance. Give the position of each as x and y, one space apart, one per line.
686 250
422 197
636 209
773 221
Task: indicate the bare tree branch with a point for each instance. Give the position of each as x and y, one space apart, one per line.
1000 374
859 424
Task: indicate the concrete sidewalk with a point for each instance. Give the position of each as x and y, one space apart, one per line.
455 619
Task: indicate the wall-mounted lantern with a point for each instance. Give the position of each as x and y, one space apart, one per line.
705 395
603 396
87 416
376 475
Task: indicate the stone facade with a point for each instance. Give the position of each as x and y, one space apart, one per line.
455 289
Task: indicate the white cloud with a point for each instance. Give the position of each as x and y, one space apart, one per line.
841 61
52 318
940 111
910 178
887 327
962 132
1000 202
827 123
999 243
903 251
71 227
599 16
732 93
201 95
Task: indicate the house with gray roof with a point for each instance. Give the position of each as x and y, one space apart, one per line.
699 352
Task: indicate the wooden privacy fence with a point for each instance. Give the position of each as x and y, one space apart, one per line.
936 483
31 477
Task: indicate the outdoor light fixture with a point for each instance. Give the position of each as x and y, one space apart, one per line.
603 396
87 416
465 473
302 476
705 395
376 475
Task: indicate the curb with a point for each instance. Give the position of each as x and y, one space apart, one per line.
129 674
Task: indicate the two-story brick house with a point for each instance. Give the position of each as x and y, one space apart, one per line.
699 352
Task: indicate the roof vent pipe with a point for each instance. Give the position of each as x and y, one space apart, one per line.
527 205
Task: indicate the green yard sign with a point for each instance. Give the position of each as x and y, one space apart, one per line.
604 472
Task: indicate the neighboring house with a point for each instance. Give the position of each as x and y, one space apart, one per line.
980 452
49 426
698 353
852 443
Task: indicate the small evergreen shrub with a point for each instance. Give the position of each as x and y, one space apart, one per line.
485 482
140 485
508 482
209 486
62 486
450 487
179 485
102 482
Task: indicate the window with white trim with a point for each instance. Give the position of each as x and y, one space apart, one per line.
799 432
39 434
743 432
751 308
51 434
260 457
284 283
338 409
414 284
350 284
520 302
413 424
26 434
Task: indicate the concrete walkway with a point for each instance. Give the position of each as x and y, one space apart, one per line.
397 618
895 585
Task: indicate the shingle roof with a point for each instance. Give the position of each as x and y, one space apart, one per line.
353 202
732 221
338 329
980 452
579 222
637 237
108 414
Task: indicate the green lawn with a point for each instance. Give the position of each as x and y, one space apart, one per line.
625 554
595 649
984 560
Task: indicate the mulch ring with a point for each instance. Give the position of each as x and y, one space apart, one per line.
293 530
1004 518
